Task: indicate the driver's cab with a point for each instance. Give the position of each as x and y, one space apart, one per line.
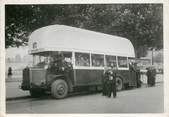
46 65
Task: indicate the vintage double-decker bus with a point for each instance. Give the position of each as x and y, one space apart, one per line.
65 58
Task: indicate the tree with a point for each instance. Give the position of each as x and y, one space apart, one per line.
141 23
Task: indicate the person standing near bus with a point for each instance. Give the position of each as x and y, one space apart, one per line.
149 76
110 82
114 81
104 80
135 73
151 73
153 76
148 73
109 85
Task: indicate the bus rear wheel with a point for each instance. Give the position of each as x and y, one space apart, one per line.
59 89
119 84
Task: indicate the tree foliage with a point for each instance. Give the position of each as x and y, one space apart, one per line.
141 23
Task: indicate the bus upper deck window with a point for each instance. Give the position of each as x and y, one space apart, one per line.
97 60
111 59
122 62
82 59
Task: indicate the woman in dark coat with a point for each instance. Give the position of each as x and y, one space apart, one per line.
9 71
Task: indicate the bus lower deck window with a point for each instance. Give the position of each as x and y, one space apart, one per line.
111 59
97 60
82 59
122 61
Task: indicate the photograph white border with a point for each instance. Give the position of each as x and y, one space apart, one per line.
165 42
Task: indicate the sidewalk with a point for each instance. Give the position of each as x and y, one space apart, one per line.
13 90
159 78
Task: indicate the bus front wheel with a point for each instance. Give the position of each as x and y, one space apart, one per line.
119 84
59 89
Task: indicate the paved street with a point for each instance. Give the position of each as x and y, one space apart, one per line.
142 100
13 91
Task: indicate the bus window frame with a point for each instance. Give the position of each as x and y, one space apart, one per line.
80 67
122 68
90 67
92 61
110 56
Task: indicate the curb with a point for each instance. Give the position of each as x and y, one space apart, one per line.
155 82
17 98
13 80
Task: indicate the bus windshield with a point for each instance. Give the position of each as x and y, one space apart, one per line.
40 61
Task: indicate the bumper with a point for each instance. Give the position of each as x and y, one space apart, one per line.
25 87
35 86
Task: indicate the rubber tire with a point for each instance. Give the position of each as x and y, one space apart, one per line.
35 93
119 84
59 84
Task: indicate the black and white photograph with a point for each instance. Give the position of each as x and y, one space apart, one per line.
84 58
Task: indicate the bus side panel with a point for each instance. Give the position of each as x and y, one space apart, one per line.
128 77
124 74
82 77
93 77
96 77
88 77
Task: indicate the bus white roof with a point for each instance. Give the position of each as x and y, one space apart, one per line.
66 38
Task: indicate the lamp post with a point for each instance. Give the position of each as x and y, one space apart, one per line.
152 59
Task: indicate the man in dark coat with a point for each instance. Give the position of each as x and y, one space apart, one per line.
114 85
135 73
104 83
148 76
109 86
110 82
9 71
153 76
151 73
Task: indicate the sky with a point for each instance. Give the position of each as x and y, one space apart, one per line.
12 52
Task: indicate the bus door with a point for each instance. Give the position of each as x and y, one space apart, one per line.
82 70
97 65
132 76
